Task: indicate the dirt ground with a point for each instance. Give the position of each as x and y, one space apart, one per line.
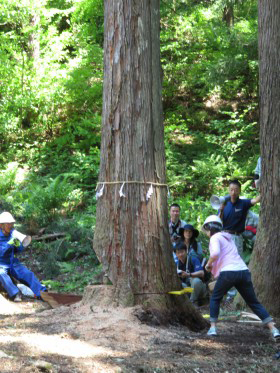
86 338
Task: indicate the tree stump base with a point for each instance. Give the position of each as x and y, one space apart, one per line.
99 295
180 312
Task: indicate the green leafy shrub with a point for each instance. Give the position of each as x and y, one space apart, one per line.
43 202
70 259
8 178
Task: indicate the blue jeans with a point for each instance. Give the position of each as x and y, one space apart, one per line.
241 280
21 273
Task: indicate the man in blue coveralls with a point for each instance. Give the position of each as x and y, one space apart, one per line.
234 212
9 265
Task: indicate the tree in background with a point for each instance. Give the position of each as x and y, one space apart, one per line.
265 263
131 237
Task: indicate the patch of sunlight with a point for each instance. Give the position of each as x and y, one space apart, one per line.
214 345
54 344
8 308
94 366
180 138
208 13
243 26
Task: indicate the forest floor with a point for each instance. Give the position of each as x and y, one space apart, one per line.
87 338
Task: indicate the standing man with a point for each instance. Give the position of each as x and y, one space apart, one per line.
234 212
175 223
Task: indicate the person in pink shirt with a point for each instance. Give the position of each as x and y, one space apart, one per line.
230 270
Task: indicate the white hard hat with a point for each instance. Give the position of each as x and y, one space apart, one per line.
6 217
213 219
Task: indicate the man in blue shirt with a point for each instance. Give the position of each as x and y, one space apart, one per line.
234 212
191 272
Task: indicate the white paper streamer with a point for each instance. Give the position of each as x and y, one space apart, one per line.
149 193
121 191
100 193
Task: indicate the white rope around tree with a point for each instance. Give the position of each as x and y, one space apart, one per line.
121 192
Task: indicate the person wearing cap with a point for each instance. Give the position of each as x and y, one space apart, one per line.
189 266
9 265
234 212
189 235
229 269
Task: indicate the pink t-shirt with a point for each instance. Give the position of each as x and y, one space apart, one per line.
223 248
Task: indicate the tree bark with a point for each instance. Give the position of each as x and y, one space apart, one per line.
34 42
228 15
265 263
131 236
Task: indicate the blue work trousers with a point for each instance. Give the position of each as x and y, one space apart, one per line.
21 273
241 280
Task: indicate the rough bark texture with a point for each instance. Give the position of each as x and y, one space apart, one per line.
131 236
265 263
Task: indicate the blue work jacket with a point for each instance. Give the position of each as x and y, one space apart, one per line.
7 251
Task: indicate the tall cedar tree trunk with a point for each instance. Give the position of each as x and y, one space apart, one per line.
265 263
131 235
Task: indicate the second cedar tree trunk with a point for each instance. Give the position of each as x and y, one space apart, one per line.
265 263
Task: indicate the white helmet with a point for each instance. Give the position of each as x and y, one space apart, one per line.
213 219
6 217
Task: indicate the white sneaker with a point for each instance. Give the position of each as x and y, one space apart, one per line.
275 334
212 331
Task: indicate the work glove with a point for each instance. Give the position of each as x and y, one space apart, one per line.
14 242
